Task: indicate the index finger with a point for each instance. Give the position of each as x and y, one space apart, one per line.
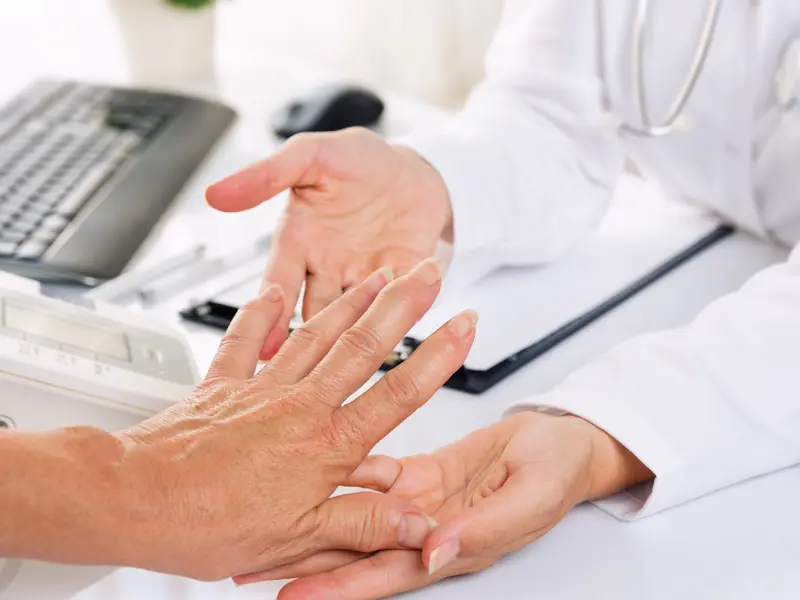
238 351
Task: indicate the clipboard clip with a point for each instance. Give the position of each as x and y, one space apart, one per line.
219 315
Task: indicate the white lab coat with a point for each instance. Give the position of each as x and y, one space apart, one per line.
531 164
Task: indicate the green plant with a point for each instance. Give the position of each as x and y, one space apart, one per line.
190 3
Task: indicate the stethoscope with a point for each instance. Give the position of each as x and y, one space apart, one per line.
787 79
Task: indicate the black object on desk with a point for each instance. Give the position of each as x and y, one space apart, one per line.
328 109
86 171
219 315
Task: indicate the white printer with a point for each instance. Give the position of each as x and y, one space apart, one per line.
64 364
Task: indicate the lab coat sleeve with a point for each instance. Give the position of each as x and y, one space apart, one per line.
531 161
705 406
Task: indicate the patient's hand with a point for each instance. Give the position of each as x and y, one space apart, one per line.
237 478
493 492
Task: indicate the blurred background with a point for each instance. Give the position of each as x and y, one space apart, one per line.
429 49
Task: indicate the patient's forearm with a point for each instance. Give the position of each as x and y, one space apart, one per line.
60 496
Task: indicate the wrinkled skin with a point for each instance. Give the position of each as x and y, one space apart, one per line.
238 477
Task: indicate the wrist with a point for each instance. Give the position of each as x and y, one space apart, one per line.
61 494
612 467
432 188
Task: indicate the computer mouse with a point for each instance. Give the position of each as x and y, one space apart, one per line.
329 109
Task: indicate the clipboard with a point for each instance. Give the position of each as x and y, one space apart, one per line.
526 312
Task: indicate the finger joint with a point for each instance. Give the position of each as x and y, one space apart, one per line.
362 340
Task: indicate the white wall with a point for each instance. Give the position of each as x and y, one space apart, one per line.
432 49
429 48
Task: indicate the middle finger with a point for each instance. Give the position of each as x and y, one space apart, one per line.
362 349
308 344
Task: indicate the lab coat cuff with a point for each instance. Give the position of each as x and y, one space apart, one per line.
629 430
479 229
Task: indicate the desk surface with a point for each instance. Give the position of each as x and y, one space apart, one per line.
740 543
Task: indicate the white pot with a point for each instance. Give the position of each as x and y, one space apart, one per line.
166 45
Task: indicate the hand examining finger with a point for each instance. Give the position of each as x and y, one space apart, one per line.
492 492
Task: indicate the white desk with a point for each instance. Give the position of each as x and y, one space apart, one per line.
741 543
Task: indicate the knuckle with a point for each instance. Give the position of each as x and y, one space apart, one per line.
403 386
370 529
343 434
232 341
362 340
308 335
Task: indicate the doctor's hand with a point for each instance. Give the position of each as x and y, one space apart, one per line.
356 204
238 477
493 492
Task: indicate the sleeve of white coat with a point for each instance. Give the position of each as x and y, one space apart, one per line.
531 162
705 406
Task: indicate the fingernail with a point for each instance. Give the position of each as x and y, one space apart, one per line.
430 271
273 293
464 323
443 556
413 530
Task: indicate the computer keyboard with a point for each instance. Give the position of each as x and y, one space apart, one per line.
86 171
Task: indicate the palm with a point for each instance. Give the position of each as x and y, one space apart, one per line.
463 474
350 225
356 204
453 478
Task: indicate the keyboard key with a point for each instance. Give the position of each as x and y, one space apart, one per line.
75 199
31 250
36 208
9 235
7 248
54 223
14 203
44 236
28 217
22 226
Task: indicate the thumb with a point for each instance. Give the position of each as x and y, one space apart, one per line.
368 522
287 168
507 520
